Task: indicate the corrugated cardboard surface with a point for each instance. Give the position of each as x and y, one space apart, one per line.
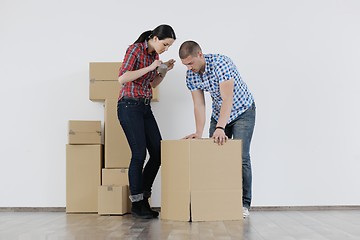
117 150
113 200
101 90
83 169
118 177
105 71
175 180
203 176
104 81
84 132
215 167
155 93
211 205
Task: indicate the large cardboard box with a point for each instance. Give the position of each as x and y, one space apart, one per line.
200 180
83 169
104 81
113 200
84 132
117 150
118 177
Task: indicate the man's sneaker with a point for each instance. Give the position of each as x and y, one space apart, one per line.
246 212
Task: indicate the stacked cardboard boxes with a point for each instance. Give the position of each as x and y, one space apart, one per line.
84 160
113 194
89 186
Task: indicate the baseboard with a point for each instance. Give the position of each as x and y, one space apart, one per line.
305 208
255 208
32 209
298 208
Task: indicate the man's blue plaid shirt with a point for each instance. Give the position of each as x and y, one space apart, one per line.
220 68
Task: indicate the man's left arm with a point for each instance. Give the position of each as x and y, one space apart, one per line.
226 92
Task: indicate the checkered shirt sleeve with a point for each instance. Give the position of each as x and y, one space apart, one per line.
220 68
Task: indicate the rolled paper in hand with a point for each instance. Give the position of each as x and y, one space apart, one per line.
162 69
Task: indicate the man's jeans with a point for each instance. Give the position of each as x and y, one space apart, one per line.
242 128
142 133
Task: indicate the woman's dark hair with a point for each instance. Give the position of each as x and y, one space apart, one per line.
162 32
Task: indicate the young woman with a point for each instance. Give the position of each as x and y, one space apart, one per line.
138 75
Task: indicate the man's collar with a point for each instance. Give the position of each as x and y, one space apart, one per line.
208 64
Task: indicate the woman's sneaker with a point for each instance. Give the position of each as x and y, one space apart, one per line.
155 214
139 210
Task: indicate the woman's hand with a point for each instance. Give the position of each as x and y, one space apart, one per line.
192 136
154 65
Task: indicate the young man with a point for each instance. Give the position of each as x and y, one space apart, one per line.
233 106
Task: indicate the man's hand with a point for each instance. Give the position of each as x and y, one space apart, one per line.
192 136
170 64
219 137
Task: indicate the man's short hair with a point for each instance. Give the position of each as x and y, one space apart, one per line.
189 48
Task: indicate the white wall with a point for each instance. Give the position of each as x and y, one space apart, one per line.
299 58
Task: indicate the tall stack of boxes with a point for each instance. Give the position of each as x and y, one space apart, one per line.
113 194
96 174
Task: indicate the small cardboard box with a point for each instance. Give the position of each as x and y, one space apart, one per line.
84 132
113 200
117 150
104 82
200 180
83 169
118 177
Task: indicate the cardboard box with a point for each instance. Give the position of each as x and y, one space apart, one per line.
118 177
117 150
104 81
155 92
113 200
83 169
84 132
200 180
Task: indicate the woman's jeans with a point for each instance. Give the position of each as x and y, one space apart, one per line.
142 133
242 128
